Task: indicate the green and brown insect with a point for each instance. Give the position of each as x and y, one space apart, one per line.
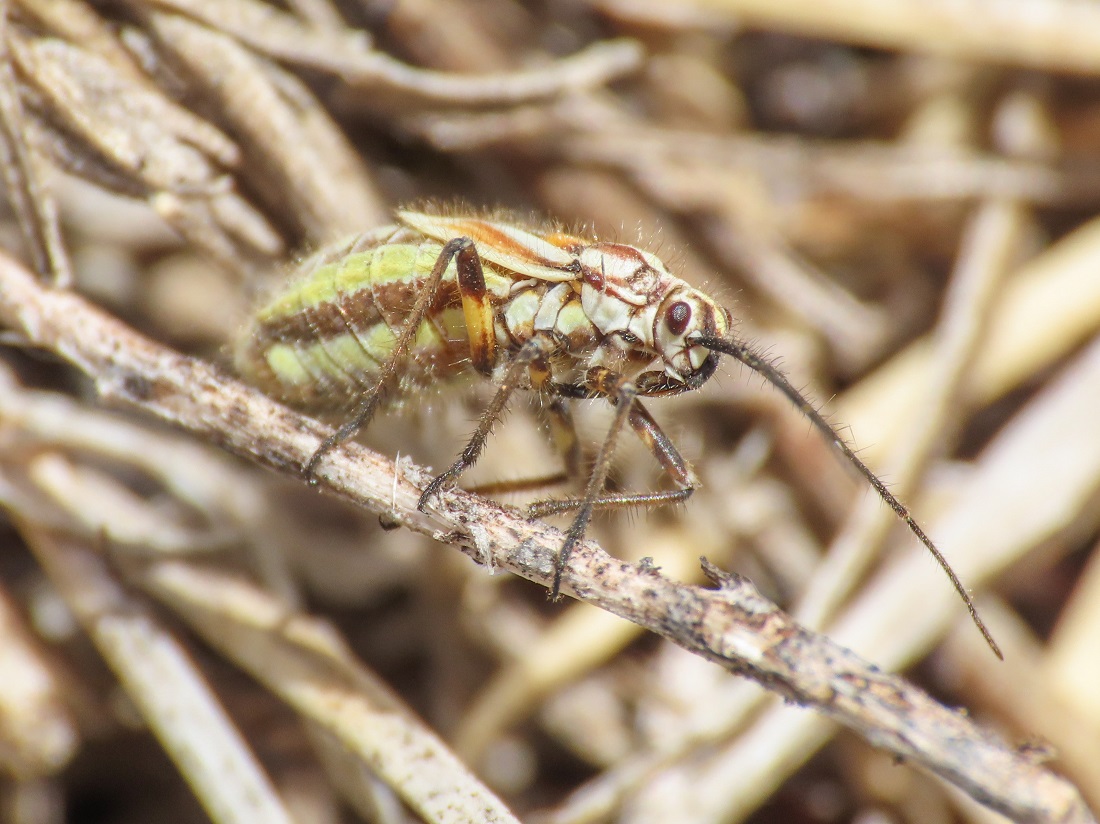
434 297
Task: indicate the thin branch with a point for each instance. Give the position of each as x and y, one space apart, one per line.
348 54
731 625
302 660
1059 35
30 199
265 29
593 66
38 733
294 154
164 683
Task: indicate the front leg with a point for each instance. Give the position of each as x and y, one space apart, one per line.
622 393
658 443
539 347
602 382
557 416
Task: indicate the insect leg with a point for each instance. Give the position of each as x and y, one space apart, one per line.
563 432
463 249
622 393
649 433
477 311
511 487
540 345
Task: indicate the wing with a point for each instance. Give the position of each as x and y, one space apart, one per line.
512 248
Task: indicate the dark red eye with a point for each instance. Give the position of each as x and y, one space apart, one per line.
678 317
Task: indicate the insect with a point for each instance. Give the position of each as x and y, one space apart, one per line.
434 297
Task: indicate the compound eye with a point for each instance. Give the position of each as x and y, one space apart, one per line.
678 317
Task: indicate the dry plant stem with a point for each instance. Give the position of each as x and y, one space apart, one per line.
1069 676
269 31
164 684
769 263
32 203
37 734
392 741
594 66
968 809
302 660
1026 697
196 476
294 152
732 625
320 14
1051 34
1047 309
86 500
451 35
664 15
468 131
204 479
987 250
865 170
78 22
218 234
359 788
600 798
103 125
132 125
578 641
699 164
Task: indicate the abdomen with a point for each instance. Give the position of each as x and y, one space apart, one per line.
321 342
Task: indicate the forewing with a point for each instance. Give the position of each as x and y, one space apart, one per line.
509 247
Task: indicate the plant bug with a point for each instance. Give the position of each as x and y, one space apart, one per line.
435 297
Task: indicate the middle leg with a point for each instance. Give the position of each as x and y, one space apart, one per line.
563 433
622 393
658 443
539 347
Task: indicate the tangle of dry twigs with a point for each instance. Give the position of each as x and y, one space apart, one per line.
902 199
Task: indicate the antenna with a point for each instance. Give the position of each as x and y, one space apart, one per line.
771 373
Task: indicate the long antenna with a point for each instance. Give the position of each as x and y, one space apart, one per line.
761 365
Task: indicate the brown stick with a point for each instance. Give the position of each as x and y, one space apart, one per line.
731 625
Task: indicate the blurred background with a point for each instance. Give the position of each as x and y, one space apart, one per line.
898 202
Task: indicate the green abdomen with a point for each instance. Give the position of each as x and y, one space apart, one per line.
321 343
